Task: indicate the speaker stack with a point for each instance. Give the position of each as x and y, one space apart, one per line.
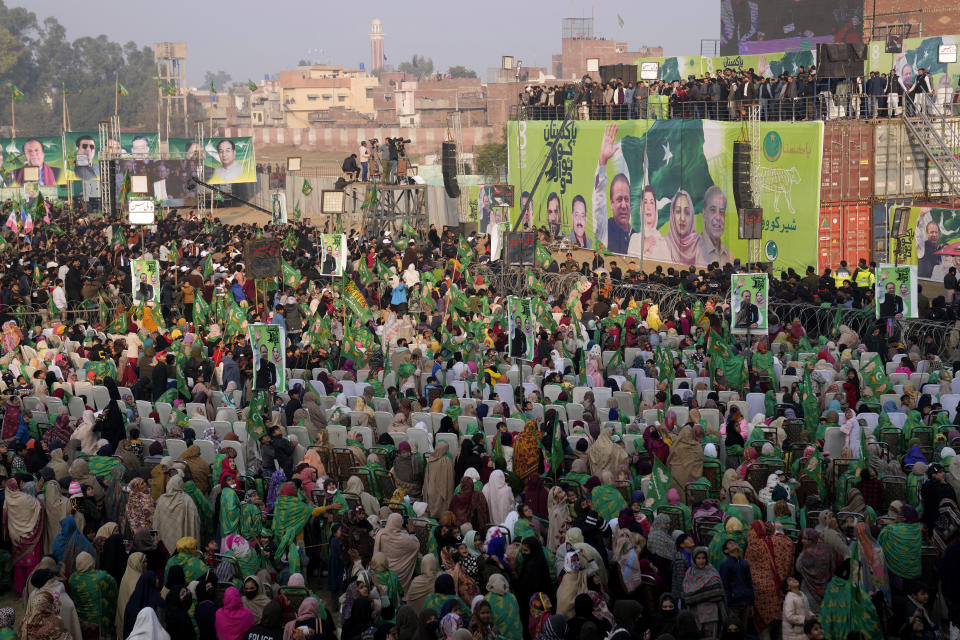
449 165
742 193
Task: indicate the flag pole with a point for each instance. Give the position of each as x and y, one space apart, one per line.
13 116
116 94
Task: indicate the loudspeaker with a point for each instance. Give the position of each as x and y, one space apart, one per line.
840 60
449 166
742 193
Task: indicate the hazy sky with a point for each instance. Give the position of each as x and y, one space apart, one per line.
249 39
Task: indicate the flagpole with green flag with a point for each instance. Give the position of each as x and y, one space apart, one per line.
15 96
116 94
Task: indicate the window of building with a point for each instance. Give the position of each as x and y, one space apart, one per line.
341 98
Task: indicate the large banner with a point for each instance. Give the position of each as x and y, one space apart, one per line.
145 281
664 188
44 153
521 335
896 291
167 180
770 65
268 343
749 298
932 242
333 253
918 53
761 26
224 160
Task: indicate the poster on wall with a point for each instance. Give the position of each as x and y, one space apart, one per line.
749 299
145 280
918 53
44 153
664 188
268 343
896 291
521 336
932 243
333 254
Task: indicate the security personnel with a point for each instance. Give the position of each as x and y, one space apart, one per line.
863 278
841 274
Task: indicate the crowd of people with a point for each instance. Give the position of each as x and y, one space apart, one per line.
727 94
644 475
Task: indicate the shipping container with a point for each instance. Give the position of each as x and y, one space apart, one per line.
847 171
882 214
900 163
843 234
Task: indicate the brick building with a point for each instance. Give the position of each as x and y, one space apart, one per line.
926 17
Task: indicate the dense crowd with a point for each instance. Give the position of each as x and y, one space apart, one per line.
644 475
727 94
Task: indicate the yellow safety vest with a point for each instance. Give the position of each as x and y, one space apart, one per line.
839 276
865 279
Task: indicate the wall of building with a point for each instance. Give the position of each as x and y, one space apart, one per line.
575 52
937 17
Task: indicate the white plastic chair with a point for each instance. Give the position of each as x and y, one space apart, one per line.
207 450
240 460
175 447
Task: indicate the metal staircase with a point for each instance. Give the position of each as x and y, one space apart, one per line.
940 139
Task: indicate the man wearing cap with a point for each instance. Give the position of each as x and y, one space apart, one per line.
933 492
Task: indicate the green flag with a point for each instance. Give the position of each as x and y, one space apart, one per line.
364 271
117 239
208 266
384 272
16 94
371 199
459 299
837 321
543 257
125 186
407 229
296 211
54 228
213 89
200 308
660 482
534 284
354 301
4 245
464 251
251 85
655 159
174 253
874 376
122 90
306 189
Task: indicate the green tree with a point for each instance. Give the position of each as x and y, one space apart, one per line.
491 159
417 66
460 71
220 80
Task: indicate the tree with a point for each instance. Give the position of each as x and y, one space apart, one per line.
491 159
220 80
460 71
417 66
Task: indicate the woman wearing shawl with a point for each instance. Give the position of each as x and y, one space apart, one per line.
604 455
176 515
111 550
555 628
628 561
685 460
540 607
444 590
815 565
847 608
660 543
254 596
654 444
199 468
136 565
400 547
94 593
187 558
422 585
559 517
56 508
438 480
873 568
573 583
233 620
607 500
355 486
229 521
682 238
386 580
140 507
146 595
771 560
42 619
504 607
902 543
80 472
470 506
467 459
499 496
526 451
23 515
703 590
534 574
70 543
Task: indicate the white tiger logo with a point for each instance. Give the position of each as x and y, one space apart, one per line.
779 182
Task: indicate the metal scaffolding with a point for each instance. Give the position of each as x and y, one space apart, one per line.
110 153
171 88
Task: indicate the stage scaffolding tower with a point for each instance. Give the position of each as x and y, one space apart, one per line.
110 153
171 89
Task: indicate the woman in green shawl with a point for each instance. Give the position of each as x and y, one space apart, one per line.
607 500
731 529
505 609
388 585
229 512
186 557
204 509
847 607
914 420
249 560
902 543
94 594
290 516
251 517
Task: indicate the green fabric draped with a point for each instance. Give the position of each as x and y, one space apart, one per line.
94 594
251 520
101 466
901 544
847 606
607 501
391 586
506 615
229 512
193 566
204 508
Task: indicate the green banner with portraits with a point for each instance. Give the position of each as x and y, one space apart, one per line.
333 254
664 188
896 291
224 160
268 343
521 336
749 299
145 281
931 241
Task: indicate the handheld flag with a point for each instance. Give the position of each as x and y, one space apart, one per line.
117 238
126 186
620 21
251 85
12 222
291 276
37 276
306 189
543 257
208 266
27 220
371 199
16 94
660 481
